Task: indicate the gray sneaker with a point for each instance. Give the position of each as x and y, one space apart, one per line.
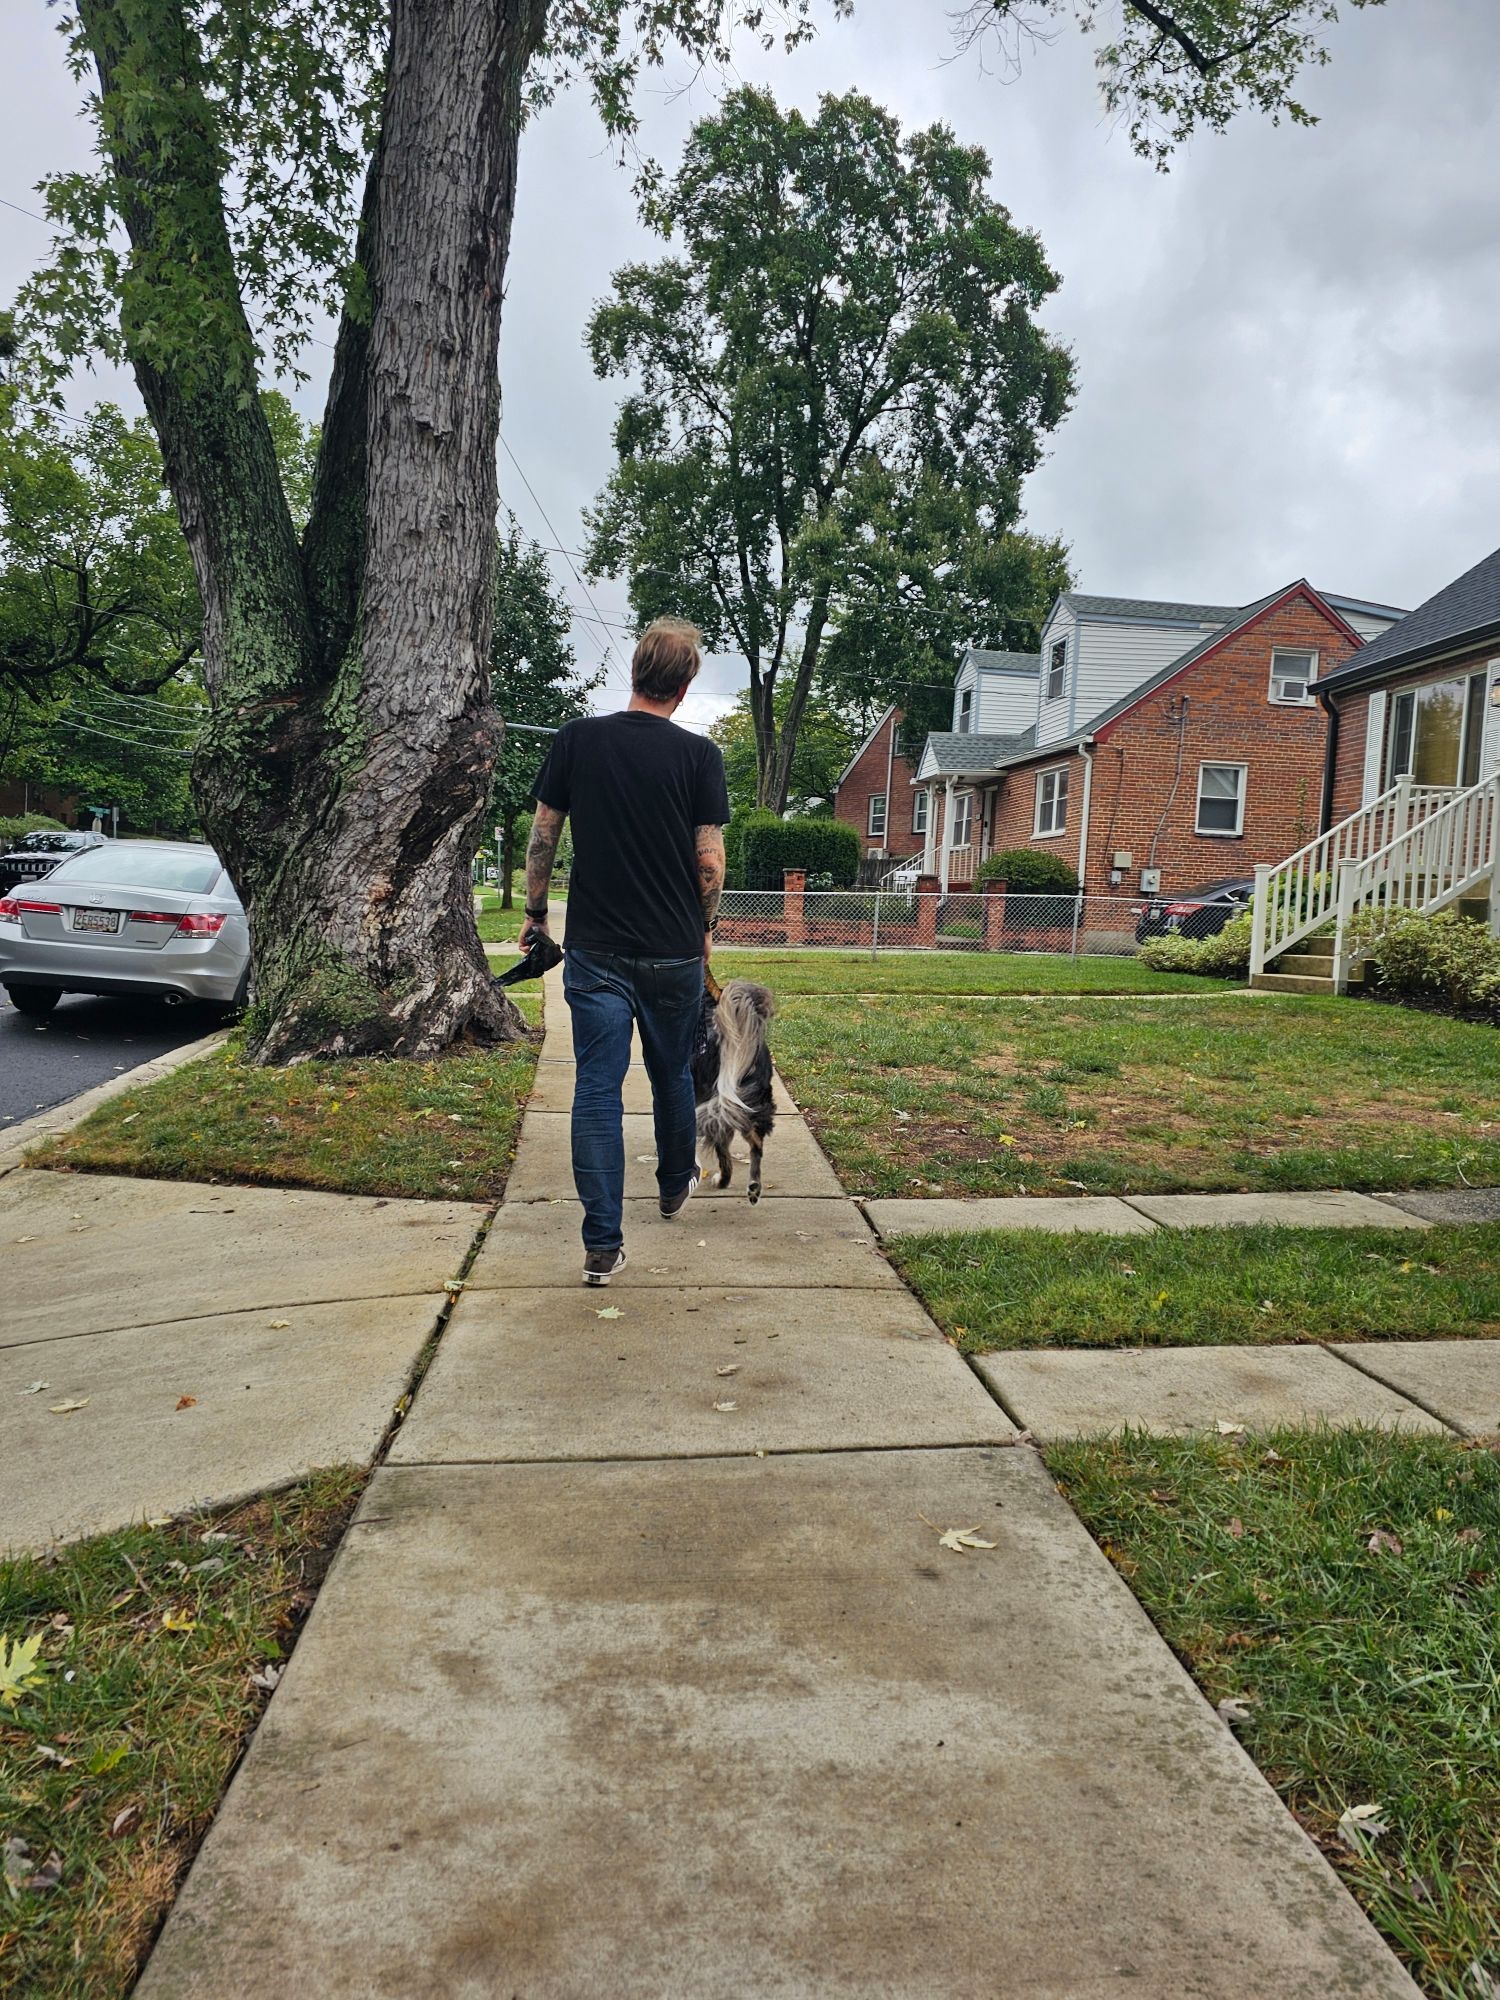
674 1204
599 1266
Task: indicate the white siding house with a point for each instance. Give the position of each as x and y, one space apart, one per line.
994 693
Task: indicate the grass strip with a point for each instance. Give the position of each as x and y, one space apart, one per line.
950 972
1098 1096
443 1130
158 1650
1345 1587
1205 1287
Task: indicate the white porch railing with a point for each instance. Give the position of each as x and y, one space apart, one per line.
1301 894
1446 854
962 861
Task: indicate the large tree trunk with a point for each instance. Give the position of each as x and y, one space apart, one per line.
347 766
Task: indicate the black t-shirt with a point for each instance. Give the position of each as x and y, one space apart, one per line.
635 787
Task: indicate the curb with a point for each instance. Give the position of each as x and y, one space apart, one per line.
18 1140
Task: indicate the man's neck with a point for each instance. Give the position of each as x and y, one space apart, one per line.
665 709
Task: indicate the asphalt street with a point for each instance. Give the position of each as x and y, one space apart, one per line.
85 1041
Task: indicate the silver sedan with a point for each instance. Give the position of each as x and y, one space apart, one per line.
134 917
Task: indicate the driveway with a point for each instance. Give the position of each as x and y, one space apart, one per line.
84 1042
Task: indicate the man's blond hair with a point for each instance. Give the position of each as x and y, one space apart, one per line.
666 658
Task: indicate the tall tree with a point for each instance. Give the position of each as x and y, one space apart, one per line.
850 330
358 155
534 683
1169 68
827 739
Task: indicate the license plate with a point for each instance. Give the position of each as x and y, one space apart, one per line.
96 920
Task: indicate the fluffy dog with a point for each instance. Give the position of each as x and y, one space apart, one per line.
732 1077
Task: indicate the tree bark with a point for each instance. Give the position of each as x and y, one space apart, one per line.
347 764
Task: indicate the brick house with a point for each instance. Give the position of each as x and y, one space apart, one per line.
875 796
1170 745
1410 794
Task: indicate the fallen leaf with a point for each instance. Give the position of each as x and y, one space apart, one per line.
1236 1530
609 1312
1159 1301
21 1671
178 1621
125 1821
959 1539
278 1325
50 1756
1360 1823
48 1875
726 1407
729 1368
453 1286
34 1388
17 1862
106 1760
1469 1535
1228 1430
1441 1514
1235 1708
187 1403
64 1409
267 1678
1383 1540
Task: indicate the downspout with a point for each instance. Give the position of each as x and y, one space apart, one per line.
1086 752
1330 757
947 833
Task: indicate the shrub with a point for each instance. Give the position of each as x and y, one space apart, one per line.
1226 955
823 847
740 822
16 827
1444 954
1029 871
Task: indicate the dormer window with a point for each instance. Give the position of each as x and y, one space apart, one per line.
1292 676
1057 669
966 711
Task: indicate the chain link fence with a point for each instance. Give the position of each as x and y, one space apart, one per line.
877 920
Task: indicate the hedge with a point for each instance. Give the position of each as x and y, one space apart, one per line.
17 827
1226 955
1028 871
740 822
825 848
1443 956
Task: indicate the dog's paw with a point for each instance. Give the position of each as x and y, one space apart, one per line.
754 1193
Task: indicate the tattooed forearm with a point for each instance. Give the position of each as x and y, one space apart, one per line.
541 852
710 844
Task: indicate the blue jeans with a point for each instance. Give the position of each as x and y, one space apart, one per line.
607 992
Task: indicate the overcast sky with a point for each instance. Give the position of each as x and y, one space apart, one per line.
1286 348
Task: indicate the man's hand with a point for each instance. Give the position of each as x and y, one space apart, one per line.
531 929
708 946
709 842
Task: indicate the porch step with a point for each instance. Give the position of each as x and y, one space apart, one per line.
1291 982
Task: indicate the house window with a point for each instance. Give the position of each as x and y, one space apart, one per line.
1221 798
876 821
1435 732
1292 676
963 819
1052 801
966 711
1057 669
919 813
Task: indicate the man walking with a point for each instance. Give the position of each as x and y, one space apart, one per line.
648 805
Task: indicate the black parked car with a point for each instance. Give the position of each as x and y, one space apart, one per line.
37 854
1198 913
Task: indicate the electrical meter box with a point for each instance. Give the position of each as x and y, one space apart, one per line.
1150 881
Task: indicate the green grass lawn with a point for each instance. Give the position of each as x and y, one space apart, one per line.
113 1763
1092 1095
444 1129
1371 1676
497 926
961 972
1201 1287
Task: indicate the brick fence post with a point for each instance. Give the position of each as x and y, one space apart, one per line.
994 916
793 888
927 910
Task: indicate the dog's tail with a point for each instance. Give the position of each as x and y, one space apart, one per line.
744 1009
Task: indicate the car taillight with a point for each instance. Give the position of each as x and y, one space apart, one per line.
14 907
152 916
209 924
1181 909
10 910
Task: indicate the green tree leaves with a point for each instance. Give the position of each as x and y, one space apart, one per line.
837 390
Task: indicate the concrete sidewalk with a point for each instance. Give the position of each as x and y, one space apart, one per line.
644 1672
